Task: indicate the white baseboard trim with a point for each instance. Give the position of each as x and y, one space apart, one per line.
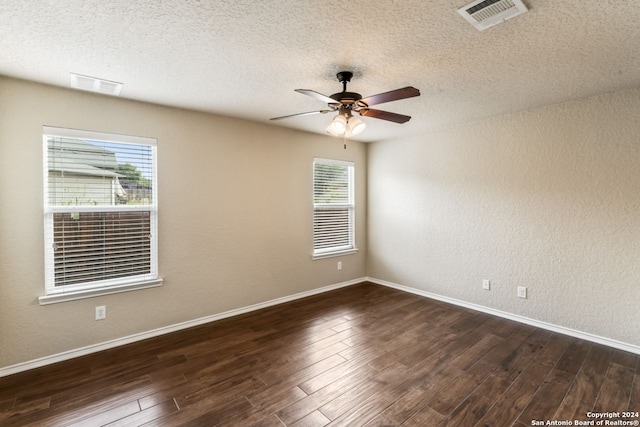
521 319
48 360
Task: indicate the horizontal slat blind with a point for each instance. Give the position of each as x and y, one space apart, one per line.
332 228
333 206
100 210
92 246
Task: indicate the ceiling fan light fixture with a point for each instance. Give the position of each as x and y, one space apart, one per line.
356 125
331 131
338 125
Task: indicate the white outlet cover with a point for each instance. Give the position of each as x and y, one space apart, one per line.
486 284
522 292
101 312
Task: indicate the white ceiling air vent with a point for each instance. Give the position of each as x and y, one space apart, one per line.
483 14
93 84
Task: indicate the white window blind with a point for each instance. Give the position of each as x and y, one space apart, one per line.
100 210
333 207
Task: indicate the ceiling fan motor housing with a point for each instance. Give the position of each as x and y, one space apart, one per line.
346 97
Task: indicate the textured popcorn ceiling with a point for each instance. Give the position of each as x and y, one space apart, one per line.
244 58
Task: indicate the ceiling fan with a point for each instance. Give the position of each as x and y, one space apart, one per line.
346 103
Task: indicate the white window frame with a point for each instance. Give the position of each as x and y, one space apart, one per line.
350 248
54 294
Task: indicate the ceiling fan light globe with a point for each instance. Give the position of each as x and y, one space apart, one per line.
358 128
331 131
356 125
338 125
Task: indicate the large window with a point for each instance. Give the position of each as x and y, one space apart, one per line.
100 213
333 208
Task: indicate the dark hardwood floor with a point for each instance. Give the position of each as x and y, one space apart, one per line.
362 355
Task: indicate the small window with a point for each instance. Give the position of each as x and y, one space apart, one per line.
333 208
100 212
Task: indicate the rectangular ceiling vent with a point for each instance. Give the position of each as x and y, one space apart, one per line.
483 14
93 84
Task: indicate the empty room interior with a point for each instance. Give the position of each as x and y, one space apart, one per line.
319 213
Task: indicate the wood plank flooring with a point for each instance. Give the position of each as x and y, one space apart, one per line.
362 355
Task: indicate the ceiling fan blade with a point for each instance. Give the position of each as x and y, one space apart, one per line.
301 114
316 95
394 95
384 115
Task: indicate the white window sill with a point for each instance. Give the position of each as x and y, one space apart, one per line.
90 293
335 254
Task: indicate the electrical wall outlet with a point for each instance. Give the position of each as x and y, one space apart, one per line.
101 312
486 285
339 265
522 292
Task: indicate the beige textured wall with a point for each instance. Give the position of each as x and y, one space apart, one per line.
548 199
235 218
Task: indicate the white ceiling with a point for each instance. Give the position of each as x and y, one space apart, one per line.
244 58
